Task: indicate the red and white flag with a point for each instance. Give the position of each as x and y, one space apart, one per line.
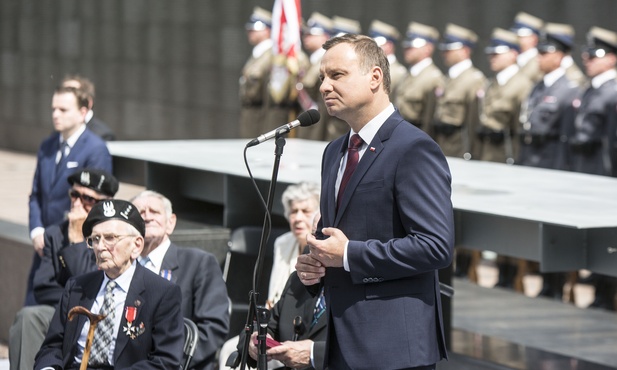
286 23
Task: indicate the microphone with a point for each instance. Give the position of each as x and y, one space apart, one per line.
308 118
298 328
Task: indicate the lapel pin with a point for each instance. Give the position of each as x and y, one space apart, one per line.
372 149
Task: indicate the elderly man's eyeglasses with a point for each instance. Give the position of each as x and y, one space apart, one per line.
110 240
85 199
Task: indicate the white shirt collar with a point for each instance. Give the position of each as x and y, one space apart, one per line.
89 116
262 47
420 66
368 132
566 61
73 138
156 256
459 68
551 77
504 76
603 77
124 280
523 58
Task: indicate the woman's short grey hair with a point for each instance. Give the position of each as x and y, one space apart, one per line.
300 192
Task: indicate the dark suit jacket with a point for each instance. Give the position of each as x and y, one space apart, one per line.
204 298
296 301
47 286
204 294
49 200
101 129
158 347
396 212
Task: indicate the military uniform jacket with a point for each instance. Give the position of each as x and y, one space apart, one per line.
457 116
546 114
398 73
593 137
532 70
415 97
310 87
254 95
499 119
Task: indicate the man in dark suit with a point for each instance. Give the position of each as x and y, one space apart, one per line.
70 148
204 294
31 322
92 122
385 229
143 324
304 346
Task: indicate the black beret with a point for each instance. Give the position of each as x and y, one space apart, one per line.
100 181
114 209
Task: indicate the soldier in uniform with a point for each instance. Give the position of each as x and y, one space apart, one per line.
315 33
457 110
387 36
415 98
336 127
499 121
456 115
549 106
573 72
592 141
527 27
254 95
594 126
501 105
544 121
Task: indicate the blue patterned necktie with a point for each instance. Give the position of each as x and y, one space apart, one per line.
103 335
319 309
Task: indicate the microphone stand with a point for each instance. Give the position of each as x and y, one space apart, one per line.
261 314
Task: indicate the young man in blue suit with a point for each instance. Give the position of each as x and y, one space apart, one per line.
68 149
143 327
386 222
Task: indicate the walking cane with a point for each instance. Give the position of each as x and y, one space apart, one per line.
94 320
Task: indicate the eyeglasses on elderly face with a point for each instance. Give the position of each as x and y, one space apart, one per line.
110 240
85 199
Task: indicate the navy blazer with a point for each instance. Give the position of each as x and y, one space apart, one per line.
204 298
397 213
157 301
49 199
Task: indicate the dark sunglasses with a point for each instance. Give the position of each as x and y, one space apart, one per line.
85 199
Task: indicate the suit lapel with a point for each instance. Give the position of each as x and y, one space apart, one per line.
331 182
86 299
368 158
135 299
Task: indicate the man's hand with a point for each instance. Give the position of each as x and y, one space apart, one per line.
293 354
38 243
76 217
328 251
309 270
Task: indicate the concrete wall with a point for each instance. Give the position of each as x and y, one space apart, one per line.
168 69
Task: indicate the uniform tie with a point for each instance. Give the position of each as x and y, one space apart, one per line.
352 162
103 335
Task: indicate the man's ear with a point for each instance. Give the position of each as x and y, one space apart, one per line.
376 77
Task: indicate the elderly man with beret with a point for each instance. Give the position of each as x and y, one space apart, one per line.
87 187
143 324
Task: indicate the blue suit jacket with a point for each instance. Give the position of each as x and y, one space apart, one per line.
158 308
397 213
49 199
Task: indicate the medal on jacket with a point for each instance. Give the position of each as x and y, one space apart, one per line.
130 314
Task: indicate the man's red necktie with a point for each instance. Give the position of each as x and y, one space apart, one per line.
352 162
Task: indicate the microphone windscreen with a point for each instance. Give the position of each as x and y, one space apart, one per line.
308 118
